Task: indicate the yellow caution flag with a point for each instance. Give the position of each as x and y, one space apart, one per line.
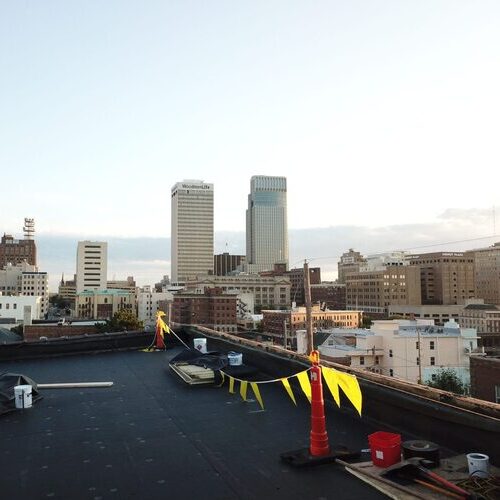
256 391
305 383
288 388
231 385
348 383
243 390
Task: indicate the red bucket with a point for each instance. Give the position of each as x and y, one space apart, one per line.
385 448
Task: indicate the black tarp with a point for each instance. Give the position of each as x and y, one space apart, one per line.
215 361
7 383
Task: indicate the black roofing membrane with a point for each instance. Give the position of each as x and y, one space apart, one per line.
151 436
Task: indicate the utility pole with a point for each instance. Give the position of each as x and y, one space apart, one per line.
309 322
419 356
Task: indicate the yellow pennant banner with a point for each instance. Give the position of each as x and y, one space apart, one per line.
333 378
288 389
256 391
243 390
305 383
348 383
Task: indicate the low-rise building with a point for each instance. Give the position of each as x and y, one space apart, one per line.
485 377
212 309
35 283
409 349
103 304
149 302
487 273
331 294
22 309
373 290
67 290
268 291
25 279
286 323
485 318
440 314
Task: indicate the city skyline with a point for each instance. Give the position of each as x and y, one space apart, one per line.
387 110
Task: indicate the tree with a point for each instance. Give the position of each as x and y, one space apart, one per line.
59 302
121 320
447 380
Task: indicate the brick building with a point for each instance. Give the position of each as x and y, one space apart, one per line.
225 263
212 309
487 273
275 322
485 377
268 291
350 262
485 318
16 251
103 304
296 276
331 294
373 291
446 278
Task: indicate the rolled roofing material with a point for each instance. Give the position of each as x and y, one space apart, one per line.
423 449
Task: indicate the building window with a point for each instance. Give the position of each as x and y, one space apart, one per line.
390 353
431 345
418 361
376 360
361 360
433 360
391 372
416 345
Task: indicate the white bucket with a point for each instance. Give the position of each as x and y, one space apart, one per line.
478 464
200 345
22 393
235 358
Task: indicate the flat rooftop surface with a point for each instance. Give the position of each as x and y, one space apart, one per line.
150 436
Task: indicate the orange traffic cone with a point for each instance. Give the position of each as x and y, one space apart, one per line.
159 343
319 437
319 450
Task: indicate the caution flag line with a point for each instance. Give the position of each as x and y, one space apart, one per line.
333 378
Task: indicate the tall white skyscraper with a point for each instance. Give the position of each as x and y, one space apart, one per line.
192 237
267 227
91 265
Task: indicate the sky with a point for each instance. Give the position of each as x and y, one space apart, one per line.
381 114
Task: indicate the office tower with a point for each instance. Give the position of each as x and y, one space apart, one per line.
350 262
226 263
17 251
192 238
447 278
487 274
267 229
91 265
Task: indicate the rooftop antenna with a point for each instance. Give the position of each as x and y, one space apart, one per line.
29 228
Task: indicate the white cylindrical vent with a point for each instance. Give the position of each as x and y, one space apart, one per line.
479 464
23 396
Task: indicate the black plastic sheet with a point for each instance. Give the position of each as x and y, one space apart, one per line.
7 383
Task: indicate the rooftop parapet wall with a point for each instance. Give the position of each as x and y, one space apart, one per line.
460 423
34 332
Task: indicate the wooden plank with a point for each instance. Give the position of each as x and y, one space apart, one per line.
193 375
